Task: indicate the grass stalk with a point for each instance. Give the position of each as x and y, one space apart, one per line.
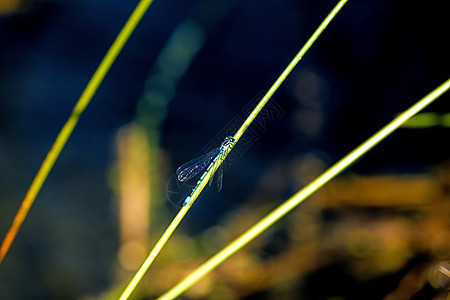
70 124
176 221
288 69
301 195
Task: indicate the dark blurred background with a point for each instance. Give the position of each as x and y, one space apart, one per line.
188 77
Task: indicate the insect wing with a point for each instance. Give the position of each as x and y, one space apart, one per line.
193 167
219 178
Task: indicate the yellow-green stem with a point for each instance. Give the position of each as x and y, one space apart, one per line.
68 127
140 273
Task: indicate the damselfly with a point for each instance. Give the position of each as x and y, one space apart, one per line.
197 165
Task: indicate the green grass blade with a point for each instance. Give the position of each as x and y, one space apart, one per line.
69 126
289 68
166 235
155 251
301 195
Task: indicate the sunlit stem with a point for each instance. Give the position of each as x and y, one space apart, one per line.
157 248
68 128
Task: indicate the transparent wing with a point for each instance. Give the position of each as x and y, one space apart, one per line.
195 166
219 178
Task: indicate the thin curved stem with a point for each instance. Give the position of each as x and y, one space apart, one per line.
70 124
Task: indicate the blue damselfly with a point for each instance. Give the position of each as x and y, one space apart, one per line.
194 167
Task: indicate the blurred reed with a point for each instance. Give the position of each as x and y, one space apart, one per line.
69 126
